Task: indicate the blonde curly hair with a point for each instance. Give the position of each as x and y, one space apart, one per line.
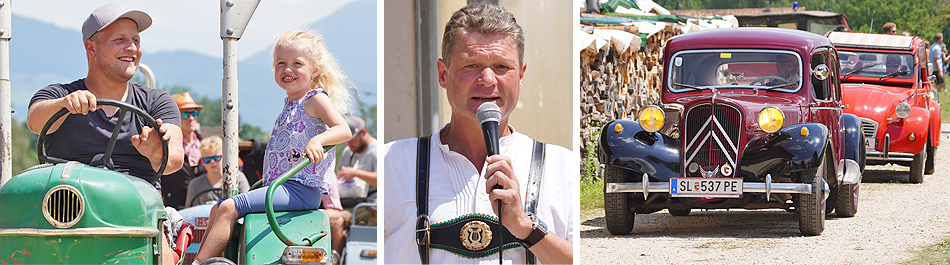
331 77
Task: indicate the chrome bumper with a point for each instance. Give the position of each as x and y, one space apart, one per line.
767 187
82 232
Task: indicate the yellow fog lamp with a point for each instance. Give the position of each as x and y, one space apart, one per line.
618 128
652 118
911 137
771 119
304 255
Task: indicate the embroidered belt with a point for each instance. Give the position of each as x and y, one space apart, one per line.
471 236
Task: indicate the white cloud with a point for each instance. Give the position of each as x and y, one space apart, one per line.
188 24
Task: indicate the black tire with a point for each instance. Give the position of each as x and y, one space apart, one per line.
680 212
832 201
917 167
847 200
811 207
617 211
931 153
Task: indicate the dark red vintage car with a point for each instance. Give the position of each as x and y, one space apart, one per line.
750 118
885 82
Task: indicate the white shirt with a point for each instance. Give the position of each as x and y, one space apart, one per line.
456 188
936 56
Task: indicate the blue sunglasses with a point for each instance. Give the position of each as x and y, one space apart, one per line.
208 159
189 114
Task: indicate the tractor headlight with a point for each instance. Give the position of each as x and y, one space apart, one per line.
304 255
902 110
771 119
652 118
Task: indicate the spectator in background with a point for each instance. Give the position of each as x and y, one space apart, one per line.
906 33
175 186
331 204
357 166
938 57
890 28
201 189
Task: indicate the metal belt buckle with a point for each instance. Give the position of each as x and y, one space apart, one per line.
422 226
475 235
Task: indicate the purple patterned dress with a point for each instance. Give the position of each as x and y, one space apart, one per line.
292 131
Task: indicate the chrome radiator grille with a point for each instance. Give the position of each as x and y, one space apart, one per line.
63 206
712 138
870 127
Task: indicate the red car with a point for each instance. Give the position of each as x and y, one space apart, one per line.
750 118
886 81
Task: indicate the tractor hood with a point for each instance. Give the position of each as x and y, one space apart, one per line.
94 197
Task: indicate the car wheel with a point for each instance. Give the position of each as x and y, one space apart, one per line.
680 212
617 211
917 167
811 207
847 198
931 152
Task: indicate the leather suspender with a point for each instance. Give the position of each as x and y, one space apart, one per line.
534 187
423 238
422 198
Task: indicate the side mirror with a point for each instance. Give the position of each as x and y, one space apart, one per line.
821 72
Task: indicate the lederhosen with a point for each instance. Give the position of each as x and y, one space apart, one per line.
451 235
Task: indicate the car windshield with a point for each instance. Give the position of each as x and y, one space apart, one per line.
742 69
876 64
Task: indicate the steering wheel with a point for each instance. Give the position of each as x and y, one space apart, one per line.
103 159
199 195
762 79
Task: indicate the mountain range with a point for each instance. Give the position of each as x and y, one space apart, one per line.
36 61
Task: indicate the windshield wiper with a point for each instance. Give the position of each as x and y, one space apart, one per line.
861 69
690 86
902 72
780 86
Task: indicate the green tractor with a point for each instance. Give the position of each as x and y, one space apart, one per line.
66 212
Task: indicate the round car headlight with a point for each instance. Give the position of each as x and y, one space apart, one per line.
902 110
771 119
652 118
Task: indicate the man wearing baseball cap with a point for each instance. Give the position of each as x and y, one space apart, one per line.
113 51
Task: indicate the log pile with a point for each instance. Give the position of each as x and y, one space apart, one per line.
617 84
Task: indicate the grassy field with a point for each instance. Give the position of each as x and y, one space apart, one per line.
944 99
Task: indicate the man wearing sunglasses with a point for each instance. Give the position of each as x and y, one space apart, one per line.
175 186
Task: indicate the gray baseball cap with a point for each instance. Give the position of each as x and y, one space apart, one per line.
356 125
106 14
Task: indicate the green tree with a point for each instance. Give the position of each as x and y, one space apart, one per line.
24 147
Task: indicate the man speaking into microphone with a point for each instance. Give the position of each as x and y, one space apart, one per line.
442 191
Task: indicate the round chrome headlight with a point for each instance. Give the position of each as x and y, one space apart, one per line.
902 110
652 118
771 119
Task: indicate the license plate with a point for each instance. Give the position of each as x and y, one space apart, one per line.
706 187
870 143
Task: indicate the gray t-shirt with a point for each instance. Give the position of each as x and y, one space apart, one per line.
363 161
201 183
81 137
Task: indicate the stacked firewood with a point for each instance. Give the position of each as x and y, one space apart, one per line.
617 84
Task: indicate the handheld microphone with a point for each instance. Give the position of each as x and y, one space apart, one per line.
488 116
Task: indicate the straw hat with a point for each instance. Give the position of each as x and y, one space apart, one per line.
185 101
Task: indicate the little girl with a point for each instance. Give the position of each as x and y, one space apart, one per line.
316 94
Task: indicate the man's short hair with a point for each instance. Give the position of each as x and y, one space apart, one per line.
889 26
482 18
938 37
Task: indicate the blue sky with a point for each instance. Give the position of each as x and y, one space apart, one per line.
188 24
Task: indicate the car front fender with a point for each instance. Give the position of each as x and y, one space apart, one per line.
633 148
793 148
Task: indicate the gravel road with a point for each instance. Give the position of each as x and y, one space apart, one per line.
894 217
